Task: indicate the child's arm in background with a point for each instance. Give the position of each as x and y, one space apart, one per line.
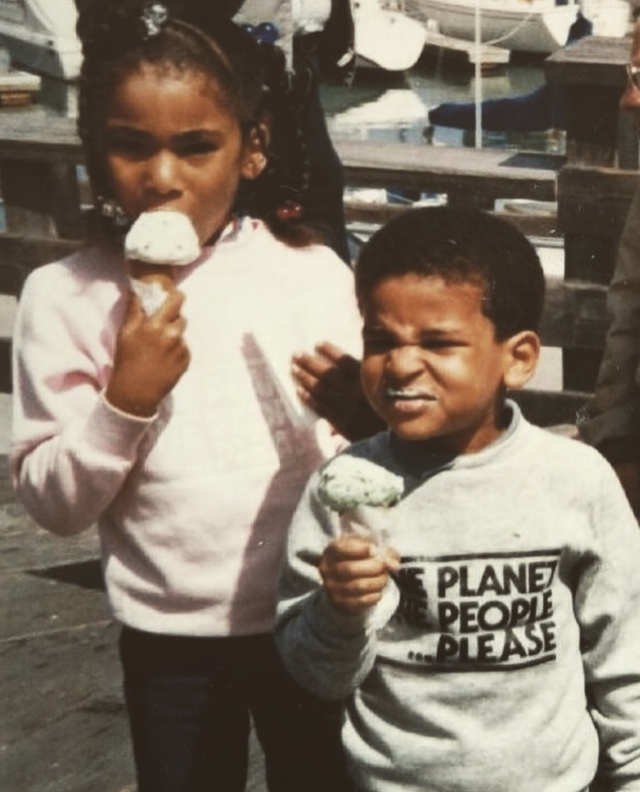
333 598
328 381
607 606
72 450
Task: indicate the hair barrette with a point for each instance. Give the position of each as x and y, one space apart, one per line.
153 17
113 212
290 210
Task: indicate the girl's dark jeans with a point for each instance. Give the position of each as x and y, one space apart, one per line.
190 702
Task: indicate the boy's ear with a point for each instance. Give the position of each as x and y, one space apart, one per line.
522 351
254 158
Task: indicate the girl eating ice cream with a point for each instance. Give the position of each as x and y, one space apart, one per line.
176 429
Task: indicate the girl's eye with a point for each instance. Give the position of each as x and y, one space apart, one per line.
198 148
125 146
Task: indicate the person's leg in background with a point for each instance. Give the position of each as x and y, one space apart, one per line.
299 734
188 715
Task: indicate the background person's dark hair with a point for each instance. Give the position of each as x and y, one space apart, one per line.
460 245
252 78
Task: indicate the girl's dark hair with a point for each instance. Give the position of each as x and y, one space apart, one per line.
118 35
460 245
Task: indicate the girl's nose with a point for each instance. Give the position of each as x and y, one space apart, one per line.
162 174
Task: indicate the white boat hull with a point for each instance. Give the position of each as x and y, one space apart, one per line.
388 40
537 26
40 36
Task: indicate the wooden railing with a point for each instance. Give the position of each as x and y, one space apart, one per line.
42 196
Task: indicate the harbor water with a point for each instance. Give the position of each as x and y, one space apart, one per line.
395 107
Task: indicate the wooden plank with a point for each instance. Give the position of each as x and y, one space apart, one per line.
6 376
466 175
593 205
424 167
593 73
594 200
21 254
491 173
17 88
41 198
546 408
575 315
32 251
531 224
592 61
16 80
33 135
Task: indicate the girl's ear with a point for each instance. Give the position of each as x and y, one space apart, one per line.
522 352
254 158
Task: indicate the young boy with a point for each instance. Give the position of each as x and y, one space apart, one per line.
496 647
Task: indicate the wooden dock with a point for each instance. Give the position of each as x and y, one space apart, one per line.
467 176
63 725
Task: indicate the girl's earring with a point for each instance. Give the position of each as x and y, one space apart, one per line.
112 211
256 164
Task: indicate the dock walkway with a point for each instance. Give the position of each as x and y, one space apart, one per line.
63 726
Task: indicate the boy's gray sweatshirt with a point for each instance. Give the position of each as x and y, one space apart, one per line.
511 657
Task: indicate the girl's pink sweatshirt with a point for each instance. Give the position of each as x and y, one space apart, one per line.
192 505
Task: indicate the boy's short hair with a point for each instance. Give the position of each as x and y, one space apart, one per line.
460 245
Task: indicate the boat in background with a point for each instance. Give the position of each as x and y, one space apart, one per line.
40 36
384 38
537 26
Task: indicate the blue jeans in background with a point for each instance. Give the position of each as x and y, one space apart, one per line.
191 701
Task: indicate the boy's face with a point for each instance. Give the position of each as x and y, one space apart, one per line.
432 367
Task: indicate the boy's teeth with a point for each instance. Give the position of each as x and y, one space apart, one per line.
401 394
407 394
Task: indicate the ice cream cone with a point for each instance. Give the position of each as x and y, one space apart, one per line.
158 242
152 283
370 522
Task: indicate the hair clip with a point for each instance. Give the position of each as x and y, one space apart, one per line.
153 17
112 211
290 210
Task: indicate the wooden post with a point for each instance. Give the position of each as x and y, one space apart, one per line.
592 72
41 198
38 179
